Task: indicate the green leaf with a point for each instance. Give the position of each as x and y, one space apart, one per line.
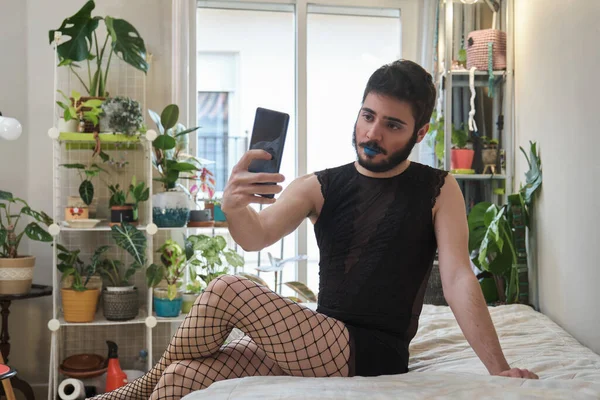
477 214
3 235
127 43
164 142
86 191
73 166
5 195
156 118
154 275
66 271
302 290
234 259
490 214
105 157
79 28
169 116
132 240
36 232
93 103
185 132
183 167
39 216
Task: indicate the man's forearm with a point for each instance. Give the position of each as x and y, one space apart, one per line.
468 305
245 229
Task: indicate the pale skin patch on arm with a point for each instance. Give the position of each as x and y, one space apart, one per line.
451 231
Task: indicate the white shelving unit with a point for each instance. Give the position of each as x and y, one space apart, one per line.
457 79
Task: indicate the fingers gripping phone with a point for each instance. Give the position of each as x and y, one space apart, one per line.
269 133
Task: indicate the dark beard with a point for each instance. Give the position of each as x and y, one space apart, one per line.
392 161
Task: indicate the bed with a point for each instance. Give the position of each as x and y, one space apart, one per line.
443 365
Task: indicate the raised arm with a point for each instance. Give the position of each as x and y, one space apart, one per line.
253 230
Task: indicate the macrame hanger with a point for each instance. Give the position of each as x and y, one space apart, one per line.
472 124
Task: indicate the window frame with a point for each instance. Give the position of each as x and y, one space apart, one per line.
411 12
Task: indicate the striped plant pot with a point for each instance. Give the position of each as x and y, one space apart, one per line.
16 274
120 304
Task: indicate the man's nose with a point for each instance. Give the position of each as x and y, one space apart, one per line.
375 133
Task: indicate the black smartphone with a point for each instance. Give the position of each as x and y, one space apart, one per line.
268 133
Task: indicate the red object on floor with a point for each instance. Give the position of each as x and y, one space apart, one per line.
115 377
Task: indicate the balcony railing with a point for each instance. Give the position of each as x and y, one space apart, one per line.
225 151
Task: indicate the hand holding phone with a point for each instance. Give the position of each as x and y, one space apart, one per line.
244 187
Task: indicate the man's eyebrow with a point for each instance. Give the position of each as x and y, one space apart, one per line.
385 117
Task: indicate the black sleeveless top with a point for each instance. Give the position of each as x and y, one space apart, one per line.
377 245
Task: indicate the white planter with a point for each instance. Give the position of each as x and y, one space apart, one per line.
67 126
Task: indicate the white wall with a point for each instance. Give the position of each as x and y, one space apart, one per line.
27 93
556 89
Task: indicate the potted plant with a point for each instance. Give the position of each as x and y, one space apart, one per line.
192 291
79 301
493 237
122 115
86 190
167 301
462 153
207 258
83 46
204 215
171 208
120 299
16 270
120 209
85 113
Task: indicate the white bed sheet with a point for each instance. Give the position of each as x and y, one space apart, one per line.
443 365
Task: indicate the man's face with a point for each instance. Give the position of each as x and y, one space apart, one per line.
384 133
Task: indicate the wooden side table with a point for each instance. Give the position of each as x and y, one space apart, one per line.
5 301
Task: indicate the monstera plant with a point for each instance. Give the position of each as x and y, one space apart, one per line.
83 46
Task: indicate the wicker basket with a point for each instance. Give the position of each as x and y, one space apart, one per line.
120 305
478 50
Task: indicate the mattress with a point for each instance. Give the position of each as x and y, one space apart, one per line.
443 365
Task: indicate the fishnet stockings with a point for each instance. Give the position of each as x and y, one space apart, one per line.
285 338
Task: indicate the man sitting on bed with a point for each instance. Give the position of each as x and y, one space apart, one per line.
378 222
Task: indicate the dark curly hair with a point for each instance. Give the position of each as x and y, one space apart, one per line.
406 81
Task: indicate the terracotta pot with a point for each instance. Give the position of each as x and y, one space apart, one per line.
16 274
79 306
461 158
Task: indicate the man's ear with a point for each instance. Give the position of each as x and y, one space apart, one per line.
422 132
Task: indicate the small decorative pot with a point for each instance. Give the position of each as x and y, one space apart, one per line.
124 213
489 156
67 126
72 213
163 307
120 303
200 218
218 213
188 301
79 306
